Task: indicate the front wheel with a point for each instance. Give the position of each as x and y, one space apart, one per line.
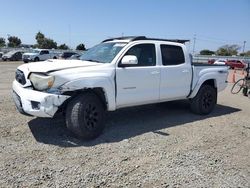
205 100
85 116
237 86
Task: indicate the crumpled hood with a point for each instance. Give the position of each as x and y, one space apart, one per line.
54 65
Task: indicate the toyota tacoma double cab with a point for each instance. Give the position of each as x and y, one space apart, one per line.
38 55
117 73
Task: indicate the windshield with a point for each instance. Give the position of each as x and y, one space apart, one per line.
10 53
35 51
103 53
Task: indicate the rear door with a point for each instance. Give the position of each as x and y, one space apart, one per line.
44 55
138 84
176 73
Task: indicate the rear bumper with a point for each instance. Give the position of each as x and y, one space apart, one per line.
35 103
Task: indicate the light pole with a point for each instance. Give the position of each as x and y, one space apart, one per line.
244 44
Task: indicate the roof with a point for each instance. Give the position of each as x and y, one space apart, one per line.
136 38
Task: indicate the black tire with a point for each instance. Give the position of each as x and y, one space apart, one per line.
204 101
54 57
237 86
25 61
36 59
85 116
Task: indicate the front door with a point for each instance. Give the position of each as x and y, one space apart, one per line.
138 84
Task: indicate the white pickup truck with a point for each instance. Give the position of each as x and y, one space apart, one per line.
38 55
117 73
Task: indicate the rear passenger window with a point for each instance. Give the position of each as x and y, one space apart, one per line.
172 55
145 54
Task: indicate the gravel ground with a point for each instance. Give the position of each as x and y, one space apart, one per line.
161 145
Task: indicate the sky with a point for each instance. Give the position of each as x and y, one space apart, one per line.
212 23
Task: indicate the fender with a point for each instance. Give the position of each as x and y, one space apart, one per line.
94 82
203 78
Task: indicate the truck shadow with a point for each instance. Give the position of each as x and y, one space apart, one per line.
124 124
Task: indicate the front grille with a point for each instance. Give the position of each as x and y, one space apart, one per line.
25 56
20 77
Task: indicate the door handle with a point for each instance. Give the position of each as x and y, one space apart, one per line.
185 71
155 72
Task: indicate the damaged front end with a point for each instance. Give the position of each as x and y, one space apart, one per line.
36 103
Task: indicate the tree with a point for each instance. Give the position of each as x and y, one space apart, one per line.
48 44
14 41
2 42
81 47
43 42
40 38
206 52
63 47
245 54
228 50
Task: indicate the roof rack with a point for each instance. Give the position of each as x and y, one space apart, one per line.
135 38
129 38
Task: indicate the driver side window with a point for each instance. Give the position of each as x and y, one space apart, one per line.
145 54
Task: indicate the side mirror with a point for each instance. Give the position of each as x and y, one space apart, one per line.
129 60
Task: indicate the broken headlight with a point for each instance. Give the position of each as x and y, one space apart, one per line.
41 81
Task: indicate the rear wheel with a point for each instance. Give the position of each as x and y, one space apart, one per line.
237 86
85 116
205 100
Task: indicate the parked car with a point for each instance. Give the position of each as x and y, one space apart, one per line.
39 55
67 55
118 73
236 64
211 61
1 54
76 56
12 56
220 62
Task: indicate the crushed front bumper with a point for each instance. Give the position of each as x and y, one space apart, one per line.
35 103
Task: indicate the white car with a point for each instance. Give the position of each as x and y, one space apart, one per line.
220 62
118 73
39 55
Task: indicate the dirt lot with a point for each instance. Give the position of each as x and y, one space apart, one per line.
162 145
